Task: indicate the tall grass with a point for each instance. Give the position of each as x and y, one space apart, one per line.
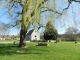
55 51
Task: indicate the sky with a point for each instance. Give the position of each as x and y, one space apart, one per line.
69 19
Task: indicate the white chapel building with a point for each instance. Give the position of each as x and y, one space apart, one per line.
33 35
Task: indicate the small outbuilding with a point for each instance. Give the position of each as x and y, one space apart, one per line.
33 35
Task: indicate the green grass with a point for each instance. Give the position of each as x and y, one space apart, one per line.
55 51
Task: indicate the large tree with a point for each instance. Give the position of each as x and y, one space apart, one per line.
71 34
30 14
71 30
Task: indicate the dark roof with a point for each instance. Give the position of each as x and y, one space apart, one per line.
30 32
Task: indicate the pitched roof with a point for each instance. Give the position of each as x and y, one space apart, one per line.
30 32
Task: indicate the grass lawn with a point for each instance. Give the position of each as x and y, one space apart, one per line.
55 51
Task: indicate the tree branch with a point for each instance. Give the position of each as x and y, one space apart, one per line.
13 25
67 6
42 3
48 9
38 6
69 2
76 0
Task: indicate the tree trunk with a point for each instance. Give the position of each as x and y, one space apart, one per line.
23 29
22 38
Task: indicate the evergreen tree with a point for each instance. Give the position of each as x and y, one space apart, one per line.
50 32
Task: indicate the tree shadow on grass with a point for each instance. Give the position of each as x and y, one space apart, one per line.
10 49
7 49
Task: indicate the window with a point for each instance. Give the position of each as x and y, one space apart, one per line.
35 35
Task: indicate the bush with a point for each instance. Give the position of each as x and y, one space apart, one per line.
43 44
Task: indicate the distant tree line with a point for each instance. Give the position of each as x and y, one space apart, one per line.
71 34
69 37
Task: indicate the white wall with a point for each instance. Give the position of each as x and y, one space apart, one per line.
35 35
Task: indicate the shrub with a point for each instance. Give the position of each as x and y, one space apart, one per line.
43 44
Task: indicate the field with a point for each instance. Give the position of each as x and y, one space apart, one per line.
55 51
